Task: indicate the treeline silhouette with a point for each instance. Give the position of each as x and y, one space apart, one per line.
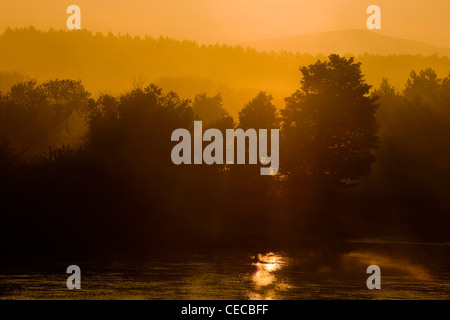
109 63
84 175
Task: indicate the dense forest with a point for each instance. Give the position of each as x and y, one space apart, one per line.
93 174
113 63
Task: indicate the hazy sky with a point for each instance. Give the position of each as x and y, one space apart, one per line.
235 21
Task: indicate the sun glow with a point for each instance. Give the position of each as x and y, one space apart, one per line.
266 265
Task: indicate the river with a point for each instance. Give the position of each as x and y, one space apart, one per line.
408 271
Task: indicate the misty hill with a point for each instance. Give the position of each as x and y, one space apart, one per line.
349 41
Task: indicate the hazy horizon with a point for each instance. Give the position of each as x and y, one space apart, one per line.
235 22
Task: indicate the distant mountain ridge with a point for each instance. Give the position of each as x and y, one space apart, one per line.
348 41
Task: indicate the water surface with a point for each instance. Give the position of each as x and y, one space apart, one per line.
408 271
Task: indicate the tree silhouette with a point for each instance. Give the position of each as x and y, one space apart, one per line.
35 116
330 130
385 89
259 113
121 188
412 161
208 109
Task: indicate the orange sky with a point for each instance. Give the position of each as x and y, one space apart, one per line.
235 21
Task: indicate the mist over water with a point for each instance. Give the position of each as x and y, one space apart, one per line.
408 271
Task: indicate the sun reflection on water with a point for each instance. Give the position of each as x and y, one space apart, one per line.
265 280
